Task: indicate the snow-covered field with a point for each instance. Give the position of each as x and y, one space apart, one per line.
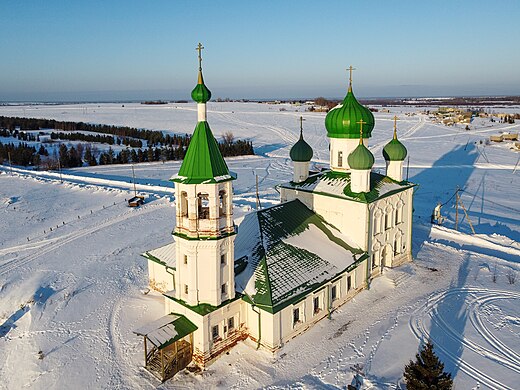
75 292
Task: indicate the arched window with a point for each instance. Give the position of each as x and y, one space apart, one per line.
203 206
398 243
184 204
399 212
376 256
388 218
378 221
340 159
222 203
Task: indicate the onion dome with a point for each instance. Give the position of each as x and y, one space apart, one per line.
201 93
361 158
394 150
341 121
301 150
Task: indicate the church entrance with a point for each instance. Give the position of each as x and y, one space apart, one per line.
386 256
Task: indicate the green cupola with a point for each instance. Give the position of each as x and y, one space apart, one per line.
361 158
394 150
201 93
301 150
341 121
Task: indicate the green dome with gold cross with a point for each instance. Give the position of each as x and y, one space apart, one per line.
394 150
201 93
301 150
341 121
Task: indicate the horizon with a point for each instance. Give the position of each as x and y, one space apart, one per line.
125 50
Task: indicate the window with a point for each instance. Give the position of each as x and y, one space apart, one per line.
185 259
340 159
316 305
222 202
374 260
184 204
223 259
377 221
214 332
349 282
223 288
203 206
296 316
231 323
388 219
334 293
185 289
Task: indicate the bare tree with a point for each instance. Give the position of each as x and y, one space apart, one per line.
494 275
228 138
511 276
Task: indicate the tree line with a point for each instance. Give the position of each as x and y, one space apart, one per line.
153 137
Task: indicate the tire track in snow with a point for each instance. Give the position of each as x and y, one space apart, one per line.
60 241
478 297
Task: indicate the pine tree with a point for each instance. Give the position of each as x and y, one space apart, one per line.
427 372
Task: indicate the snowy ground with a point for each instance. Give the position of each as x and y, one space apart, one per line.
74 293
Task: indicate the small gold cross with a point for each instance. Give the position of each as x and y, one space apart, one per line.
350 69
199 49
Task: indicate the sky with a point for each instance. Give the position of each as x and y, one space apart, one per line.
131 50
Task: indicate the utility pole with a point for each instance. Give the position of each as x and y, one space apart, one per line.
257 195
133 178
10 165
467 216
457 209
407 168
59 168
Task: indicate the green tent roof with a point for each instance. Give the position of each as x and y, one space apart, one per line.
342 121
361 158
286 251
203 162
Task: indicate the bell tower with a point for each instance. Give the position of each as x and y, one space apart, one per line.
204 231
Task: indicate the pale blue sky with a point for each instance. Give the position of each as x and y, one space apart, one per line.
107 50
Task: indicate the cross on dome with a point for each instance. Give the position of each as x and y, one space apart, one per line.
350 69
361 122
199 48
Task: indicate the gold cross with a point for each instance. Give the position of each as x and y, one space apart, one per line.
350 69
301 126
395 118
361 123
199 49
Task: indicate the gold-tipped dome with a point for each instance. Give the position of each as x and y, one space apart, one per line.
201 93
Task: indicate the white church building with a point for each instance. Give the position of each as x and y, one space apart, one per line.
286 266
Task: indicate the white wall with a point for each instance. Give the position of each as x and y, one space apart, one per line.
346 146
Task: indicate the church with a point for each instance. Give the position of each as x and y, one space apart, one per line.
286 266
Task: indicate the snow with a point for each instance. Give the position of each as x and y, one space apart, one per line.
316 241
74 293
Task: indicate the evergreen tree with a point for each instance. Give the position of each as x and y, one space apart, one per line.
427 372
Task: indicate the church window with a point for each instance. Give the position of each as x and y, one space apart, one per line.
214 332
399 213
203 206
349 282
186 289
388 219
223 259
316 305
223 288
334 293
185 259
184 204
340 159
296 316
377 221
222 202
231 323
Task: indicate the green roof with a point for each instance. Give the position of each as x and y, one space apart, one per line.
361 158
301 151
201 93
394 150
203 162
166 330
337 185
342 121
287 251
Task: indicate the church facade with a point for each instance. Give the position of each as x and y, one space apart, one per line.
285 267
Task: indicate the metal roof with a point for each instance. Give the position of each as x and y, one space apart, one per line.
166 330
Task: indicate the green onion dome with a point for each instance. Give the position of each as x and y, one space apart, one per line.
394 150
201 93
361 158
301 151
342 120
